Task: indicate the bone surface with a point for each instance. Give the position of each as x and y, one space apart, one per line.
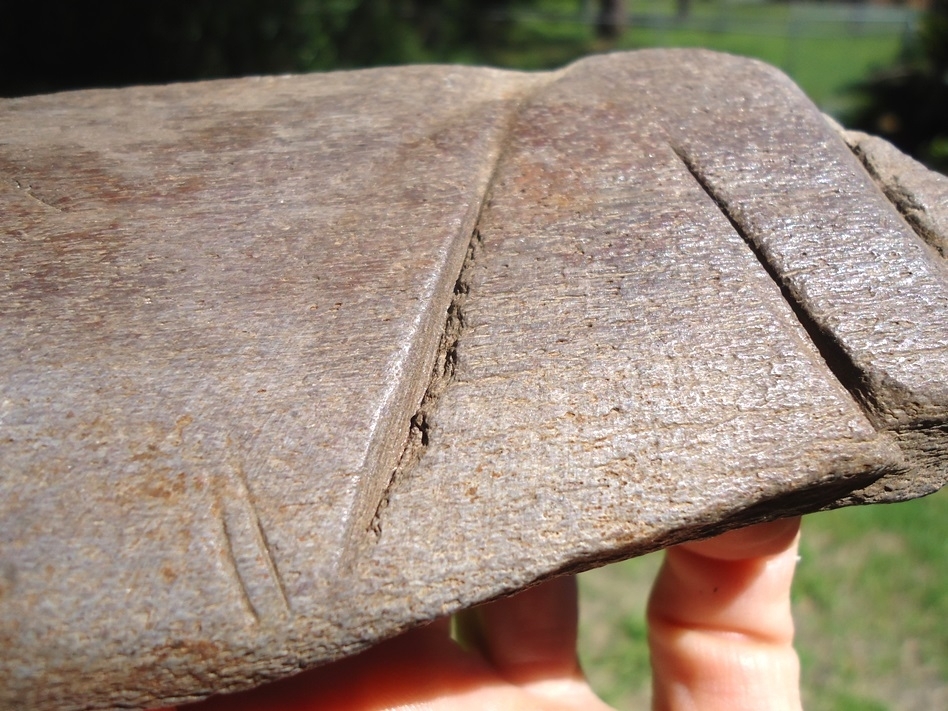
289 365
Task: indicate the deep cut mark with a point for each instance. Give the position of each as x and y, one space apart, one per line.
836 358
442 374
446 359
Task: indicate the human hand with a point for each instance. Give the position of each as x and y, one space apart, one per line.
720 634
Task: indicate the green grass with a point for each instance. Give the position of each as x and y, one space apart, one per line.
822 54
870 603
613 648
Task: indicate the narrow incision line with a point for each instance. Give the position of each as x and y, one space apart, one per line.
244 535
228 536
837 360
28 189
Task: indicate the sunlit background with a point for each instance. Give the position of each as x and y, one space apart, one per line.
871 596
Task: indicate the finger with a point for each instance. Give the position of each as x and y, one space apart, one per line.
422 670
720 629
752 542
530 641
412 670
529 635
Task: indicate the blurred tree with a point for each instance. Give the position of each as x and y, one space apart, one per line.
62 44
908 104
610 21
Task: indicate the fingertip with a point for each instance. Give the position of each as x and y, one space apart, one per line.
720 628
531 635
757 541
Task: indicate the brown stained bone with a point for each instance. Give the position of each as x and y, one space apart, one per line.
676 304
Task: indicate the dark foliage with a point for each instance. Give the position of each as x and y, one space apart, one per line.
64 44
908 104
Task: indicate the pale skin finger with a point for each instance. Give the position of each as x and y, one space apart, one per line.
720 629
530 641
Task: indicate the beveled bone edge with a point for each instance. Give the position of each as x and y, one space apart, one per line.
913 188
924 445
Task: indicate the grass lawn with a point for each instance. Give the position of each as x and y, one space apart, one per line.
824 49
870 599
